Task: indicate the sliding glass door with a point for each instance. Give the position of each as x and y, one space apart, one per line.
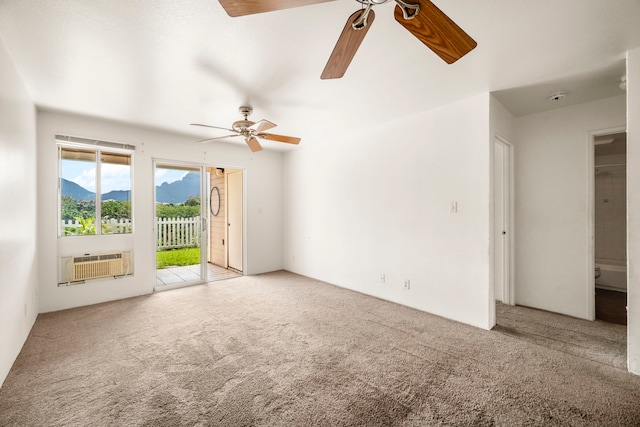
181 220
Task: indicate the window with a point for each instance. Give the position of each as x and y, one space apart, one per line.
94 189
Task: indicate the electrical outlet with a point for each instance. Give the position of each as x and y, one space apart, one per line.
382 278
453 207
407 284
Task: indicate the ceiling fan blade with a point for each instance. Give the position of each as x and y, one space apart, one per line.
213 127
280 138
204 141
248 7
346 47
436 30
253 144
262 125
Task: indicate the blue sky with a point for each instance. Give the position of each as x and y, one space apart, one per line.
169 175
114 177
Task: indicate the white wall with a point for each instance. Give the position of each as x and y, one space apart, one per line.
502 121
263 196
633 210
552 227
376 201
18 208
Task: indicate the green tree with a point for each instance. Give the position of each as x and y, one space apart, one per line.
87 225
192 201
179 211
69 208
86 208
116 209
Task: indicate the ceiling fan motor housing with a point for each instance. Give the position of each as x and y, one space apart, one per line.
242 125
250 131
245 111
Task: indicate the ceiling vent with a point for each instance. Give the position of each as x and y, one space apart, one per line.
557 96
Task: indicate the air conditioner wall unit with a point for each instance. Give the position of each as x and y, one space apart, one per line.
78 268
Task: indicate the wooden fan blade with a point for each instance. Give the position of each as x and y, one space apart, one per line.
248 7
262 125
346 47
253 144
213 127
204 141
436 30
280 138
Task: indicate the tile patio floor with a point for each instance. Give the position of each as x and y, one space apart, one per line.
175 276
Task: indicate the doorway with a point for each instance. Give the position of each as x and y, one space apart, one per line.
179 224
192 224
226 222
610 227
502 225
234 224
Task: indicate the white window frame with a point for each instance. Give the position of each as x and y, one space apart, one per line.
64 141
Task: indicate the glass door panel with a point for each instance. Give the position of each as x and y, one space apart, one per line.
179 225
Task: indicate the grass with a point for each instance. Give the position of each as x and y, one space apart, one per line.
177 257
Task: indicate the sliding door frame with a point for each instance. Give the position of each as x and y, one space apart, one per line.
204 217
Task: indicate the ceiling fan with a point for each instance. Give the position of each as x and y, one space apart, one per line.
250 131
421 18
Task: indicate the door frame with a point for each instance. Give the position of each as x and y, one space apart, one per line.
591 211
243 243
508 290
242 222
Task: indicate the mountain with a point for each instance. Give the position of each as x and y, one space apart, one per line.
179 191
173 192
70 188
120 195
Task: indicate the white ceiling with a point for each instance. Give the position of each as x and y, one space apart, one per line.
168 63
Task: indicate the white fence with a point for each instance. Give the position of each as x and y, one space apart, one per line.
109 226
171 233
177 232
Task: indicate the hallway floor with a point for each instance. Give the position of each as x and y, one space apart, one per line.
611 306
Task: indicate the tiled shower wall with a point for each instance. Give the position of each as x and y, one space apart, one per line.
611 209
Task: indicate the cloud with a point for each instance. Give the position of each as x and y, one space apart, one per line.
86 179
168 175
115 177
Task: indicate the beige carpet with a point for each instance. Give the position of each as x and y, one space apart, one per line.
284 350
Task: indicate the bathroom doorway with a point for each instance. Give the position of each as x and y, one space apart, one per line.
610 226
